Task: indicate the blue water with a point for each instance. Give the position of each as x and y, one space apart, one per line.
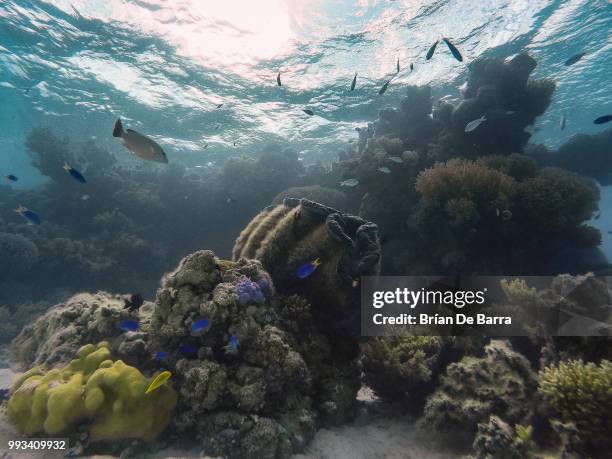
163 66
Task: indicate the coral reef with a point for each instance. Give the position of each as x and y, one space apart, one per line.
585 154
476 213
96 236
471 195
266 397
56 336
257 381
405 368
289 235
91 387
579 393
496 438
14 319
500 383
18 255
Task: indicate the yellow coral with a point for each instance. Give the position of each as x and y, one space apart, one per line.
581 393
109 394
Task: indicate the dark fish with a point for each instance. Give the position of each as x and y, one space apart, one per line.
234 143
453 49
308 268
278 80
218 126
11 177
205 146
74 173
609 232
562 125
397 69
31 217
128 325
188 349
160 355
308 112
432 50
220 105
140 144
354 82
572 60
596 217
134 302
603 119
384 88
200 325
411 66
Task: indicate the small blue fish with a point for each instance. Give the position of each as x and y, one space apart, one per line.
74 173
31 217
11 177
129 325
188 349
308 268
160 355
233 344
200 325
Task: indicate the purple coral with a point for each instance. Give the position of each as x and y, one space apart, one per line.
249 291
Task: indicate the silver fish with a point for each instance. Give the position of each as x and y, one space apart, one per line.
139 144
350 182
396 159
474 124
384 170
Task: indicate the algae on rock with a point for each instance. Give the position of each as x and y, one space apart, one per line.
500 383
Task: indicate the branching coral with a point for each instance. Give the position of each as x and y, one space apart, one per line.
476 212
580 393
405 367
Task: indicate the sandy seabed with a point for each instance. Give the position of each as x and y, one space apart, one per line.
375 434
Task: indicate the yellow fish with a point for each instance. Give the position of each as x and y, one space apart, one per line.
158 381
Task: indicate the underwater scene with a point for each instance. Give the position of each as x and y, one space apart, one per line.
196 195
